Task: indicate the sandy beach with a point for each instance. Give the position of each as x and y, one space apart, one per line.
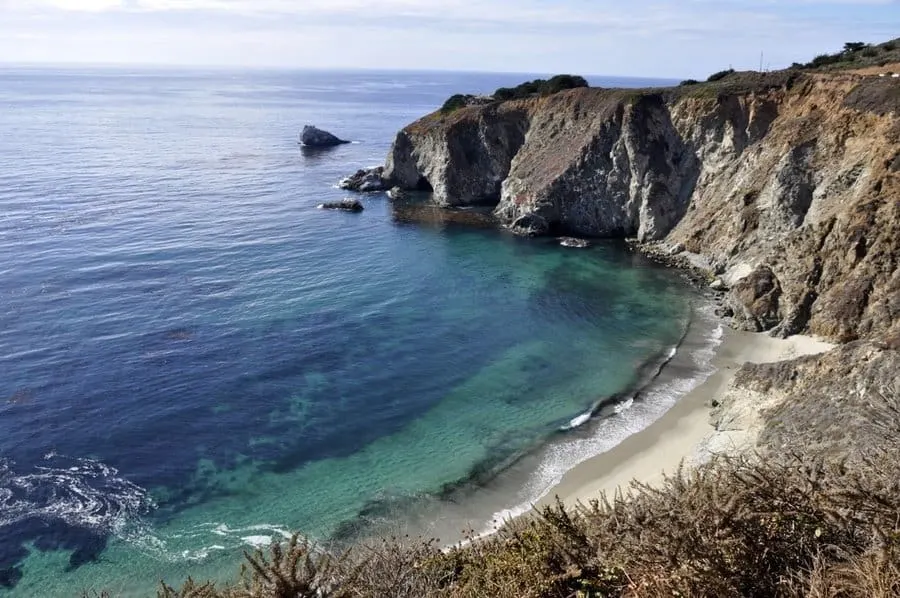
684 431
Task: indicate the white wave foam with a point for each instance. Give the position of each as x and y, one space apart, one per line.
579 421
623 406
210 538
91 495
200 554
80 492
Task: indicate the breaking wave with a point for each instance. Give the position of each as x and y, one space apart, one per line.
79 492
618 419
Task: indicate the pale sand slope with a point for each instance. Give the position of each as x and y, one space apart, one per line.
685 432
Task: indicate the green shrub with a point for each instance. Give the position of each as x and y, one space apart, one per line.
455 102
720 75
689 82
854 46
825 59
505 93
541 87
562 83
889 46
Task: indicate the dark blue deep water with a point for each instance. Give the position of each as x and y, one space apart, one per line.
195 360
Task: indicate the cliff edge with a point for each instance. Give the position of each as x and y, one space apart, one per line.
784 184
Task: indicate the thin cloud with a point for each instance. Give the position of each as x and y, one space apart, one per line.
641 37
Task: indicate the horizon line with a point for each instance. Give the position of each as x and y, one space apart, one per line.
343 69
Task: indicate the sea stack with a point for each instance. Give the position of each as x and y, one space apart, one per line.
312 136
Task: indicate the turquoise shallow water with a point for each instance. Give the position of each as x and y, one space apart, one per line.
196 360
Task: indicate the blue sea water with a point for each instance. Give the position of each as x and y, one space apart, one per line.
194 360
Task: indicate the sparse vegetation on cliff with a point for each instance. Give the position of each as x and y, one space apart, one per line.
855 55
720 75
538 87
541 87
457 101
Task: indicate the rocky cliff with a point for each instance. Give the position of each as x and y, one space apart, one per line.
786 185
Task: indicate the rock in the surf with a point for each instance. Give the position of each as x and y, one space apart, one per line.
573 242
315 137
347 205
367 180
530 225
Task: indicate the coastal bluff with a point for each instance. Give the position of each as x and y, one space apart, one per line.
784 186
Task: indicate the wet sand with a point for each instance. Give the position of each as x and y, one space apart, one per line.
683 432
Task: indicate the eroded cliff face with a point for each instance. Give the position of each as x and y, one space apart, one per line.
843 402
463 159
788 187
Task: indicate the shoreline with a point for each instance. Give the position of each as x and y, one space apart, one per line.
684 432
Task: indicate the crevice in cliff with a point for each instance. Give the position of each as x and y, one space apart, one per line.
424 185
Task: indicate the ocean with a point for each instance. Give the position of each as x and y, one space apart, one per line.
196 361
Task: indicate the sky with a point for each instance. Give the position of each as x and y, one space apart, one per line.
647 38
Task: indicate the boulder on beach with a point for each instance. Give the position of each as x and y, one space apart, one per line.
314 137
367 180
347 205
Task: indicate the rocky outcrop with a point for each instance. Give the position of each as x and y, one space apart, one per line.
367 180
842 401
754 300
836 403
347 205
463 158
788 181
314 137
574 243
625 174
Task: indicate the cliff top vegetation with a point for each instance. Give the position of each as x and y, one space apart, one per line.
537 87
855 55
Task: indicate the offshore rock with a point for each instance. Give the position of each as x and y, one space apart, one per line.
368 180
347 205
573 242
787 180
314 137
530 225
